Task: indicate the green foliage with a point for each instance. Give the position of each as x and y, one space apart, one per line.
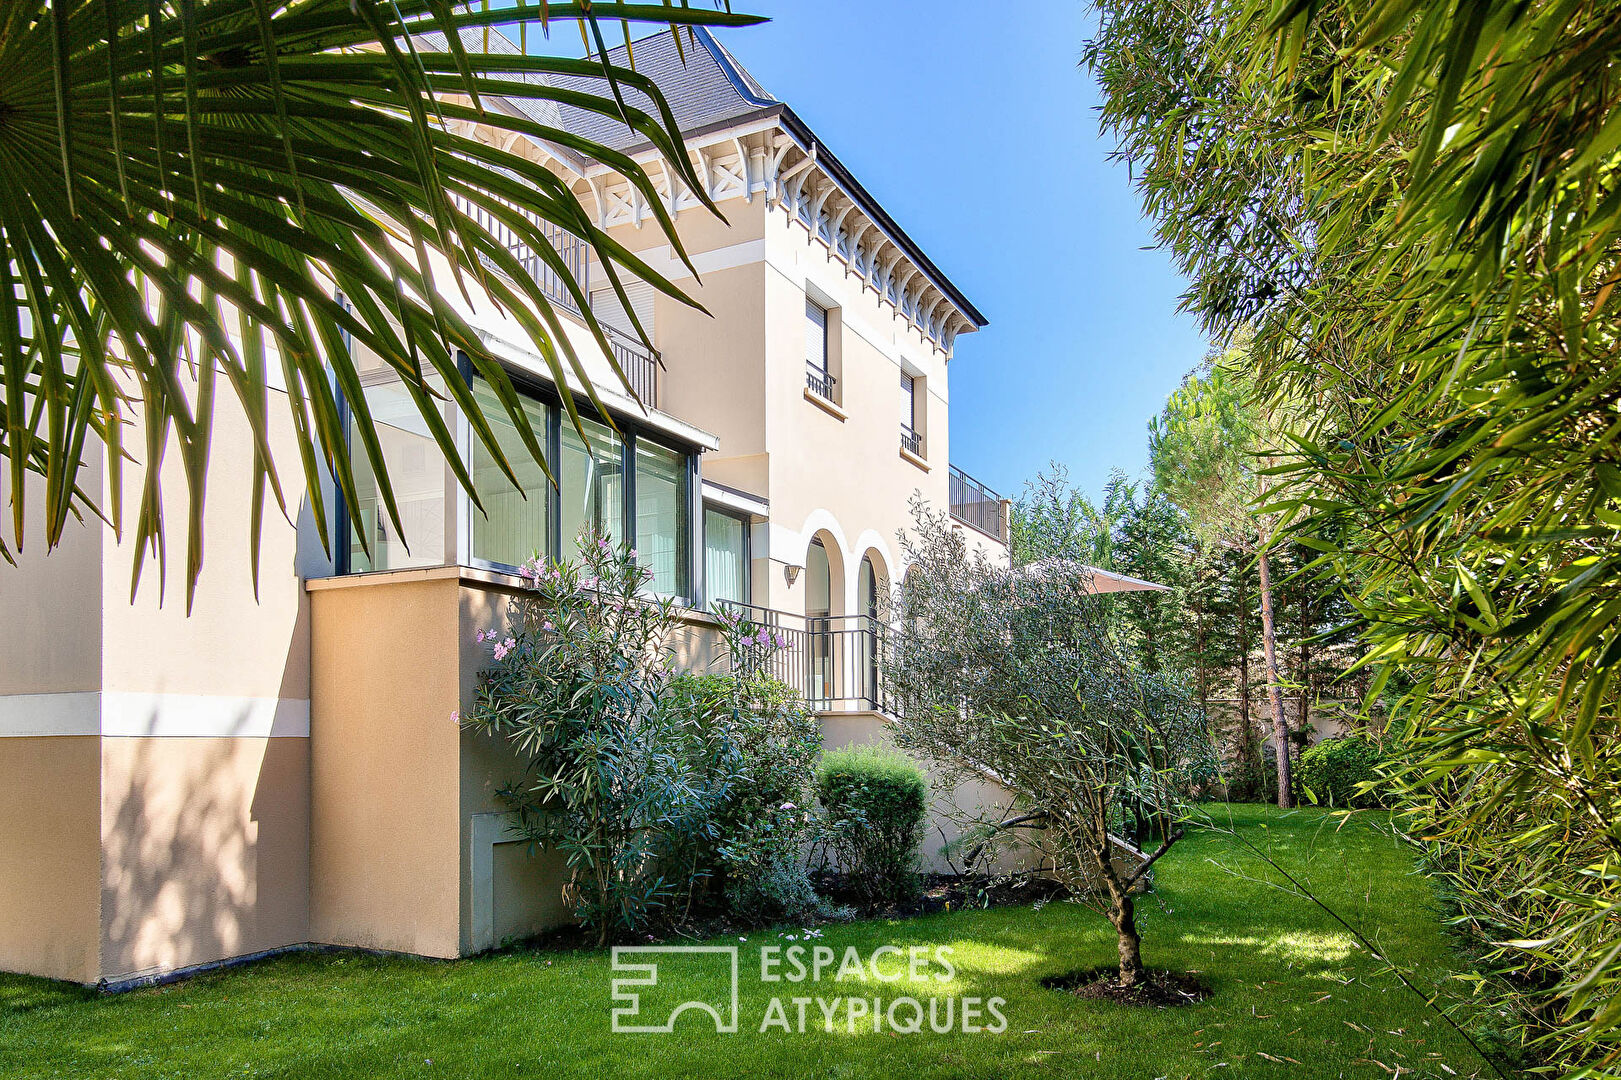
767 743
1342 772
206 190
1021 673
618 784
1408 214
876 802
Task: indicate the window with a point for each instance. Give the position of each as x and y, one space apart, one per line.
593 483
911 438
416 469
726 559
663 517
515 523
818 377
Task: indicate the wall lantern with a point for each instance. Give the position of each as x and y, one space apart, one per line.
791 572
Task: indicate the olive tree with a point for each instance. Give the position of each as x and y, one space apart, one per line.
1019 675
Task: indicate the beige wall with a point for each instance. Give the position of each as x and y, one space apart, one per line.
385 831
51 629
50 856
205 847
949 805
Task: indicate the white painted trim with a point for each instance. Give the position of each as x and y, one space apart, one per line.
121 714
25 715
662 259
203 716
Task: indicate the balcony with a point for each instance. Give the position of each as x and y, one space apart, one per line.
831 660
640 364
977 506
911 441
819 381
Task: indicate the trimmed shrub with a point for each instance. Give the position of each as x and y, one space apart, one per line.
1332 772
876 801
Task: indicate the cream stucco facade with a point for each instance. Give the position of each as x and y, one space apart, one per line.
278 765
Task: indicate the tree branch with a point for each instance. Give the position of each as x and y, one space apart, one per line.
1137 875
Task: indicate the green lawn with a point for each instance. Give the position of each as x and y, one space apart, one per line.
1287 983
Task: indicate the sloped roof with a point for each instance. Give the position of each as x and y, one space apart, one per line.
703 84
705 88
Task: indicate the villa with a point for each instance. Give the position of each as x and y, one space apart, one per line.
281 767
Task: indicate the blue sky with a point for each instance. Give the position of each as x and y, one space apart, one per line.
979 135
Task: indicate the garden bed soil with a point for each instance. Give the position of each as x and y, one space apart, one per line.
1159 989
940 893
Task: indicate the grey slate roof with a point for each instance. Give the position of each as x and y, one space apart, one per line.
695 82
705 87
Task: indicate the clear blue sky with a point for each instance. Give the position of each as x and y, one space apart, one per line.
979 134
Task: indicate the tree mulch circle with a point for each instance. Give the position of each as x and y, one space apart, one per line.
1159 989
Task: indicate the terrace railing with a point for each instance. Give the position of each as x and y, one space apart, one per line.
570 250
640 364
831 660
972 503
911 441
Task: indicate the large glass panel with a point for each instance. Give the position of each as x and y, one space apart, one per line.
593 483
663 516
513 526
416 468
726 569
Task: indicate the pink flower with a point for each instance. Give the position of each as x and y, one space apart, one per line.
633 553
501 648
789 806
780 640
456 717
764 637
547 626
589 583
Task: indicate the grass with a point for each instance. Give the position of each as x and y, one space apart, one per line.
1292 993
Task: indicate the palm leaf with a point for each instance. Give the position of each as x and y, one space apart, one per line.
225 187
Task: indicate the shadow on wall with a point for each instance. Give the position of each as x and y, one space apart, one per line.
205 850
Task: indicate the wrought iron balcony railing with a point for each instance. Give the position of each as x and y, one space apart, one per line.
911 441
972 503
831 660
640 364
819 381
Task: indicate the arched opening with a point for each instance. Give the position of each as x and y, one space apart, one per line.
872 610
824 609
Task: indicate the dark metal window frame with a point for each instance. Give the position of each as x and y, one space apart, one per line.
546 395
706 508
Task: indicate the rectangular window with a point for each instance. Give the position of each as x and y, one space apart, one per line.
663 517
726 565
817 376
593 483
416 470
911 440
515 523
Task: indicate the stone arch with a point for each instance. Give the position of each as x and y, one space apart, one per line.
825 575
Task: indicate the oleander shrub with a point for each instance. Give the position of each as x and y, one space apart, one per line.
1342 772
764 744
876 801
617 783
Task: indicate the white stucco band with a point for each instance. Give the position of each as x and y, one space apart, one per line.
119 714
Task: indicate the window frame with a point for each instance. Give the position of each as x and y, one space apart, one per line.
748 551
544 394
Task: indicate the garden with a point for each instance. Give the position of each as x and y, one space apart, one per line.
1292 992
